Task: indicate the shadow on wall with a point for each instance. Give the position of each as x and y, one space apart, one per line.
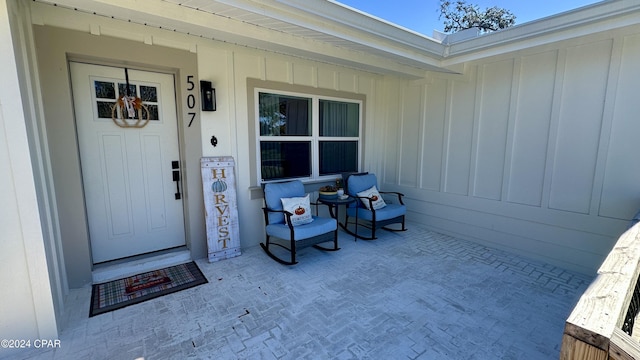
634 220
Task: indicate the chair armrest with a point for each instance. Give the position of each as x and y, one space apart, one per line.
370 200
287 215
400 195
267 210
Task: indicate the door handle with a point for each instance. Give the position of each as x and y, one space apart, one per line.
175 165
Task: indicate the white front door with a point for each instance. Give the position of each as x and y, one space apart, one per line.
127 173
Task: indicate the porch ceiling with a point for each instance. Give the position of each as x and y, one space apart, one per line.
318 30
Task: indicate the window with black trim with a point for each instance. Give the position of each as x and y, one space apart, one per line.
306 136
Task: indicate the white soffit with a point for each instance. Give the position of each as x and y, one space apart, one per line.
330 23
311 29
324 30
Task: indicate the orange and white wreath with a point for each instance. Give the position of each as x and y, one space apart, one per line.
130 112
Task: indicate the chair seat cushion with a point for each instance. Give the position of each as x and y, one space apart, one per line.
388 212
319 226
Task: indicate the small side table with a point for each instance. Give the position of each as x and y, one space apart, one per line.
335 203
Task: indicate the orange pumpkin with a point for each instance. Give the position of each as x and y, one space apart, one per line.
374 198
299 211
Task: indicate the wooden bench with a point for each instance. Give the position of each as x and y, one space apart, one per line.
601 326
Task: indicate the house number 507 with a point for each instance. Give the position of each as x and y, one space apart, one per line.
191 98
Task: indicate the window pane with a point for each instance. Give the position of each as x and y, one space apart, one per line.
282 115
285 159
338 157
148 93
122 90
339 118
105 90
105 109
153 112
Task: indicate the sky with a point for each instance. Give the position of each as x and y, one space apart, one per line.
422 15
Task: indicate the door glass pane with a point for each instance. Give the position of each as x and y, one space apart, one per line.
285 159
105 90
148 93
105 109
339 118
153 112
122 90
283 115
338 157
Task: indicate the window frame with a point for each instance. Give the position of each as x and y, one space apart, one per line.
314 138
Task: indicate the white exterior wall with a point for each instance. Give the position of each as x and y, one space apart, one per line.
534 152
27 304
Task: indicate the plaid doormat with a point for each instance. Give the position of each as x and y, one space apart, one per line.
131 290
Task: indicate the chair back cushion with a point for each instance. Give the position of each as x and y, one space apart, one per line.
358 183
273 192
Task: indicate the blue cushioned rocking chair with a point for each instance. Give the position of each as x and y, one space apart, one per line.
284 234
359 215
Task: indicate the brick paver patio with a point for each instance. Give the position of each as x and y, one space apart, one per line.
411 295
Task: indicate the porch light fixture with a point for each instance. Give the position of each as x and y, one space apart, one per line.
208 96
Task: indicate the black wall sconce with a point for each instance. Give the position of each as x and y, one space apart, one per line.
208 96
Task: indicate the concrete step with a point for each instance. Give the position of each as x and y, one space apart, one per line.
119 269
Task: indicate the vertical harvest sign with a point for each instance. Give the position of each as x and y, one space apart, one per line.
221 207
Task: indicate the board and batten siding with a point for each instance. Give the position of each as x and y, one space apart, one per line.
535 152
